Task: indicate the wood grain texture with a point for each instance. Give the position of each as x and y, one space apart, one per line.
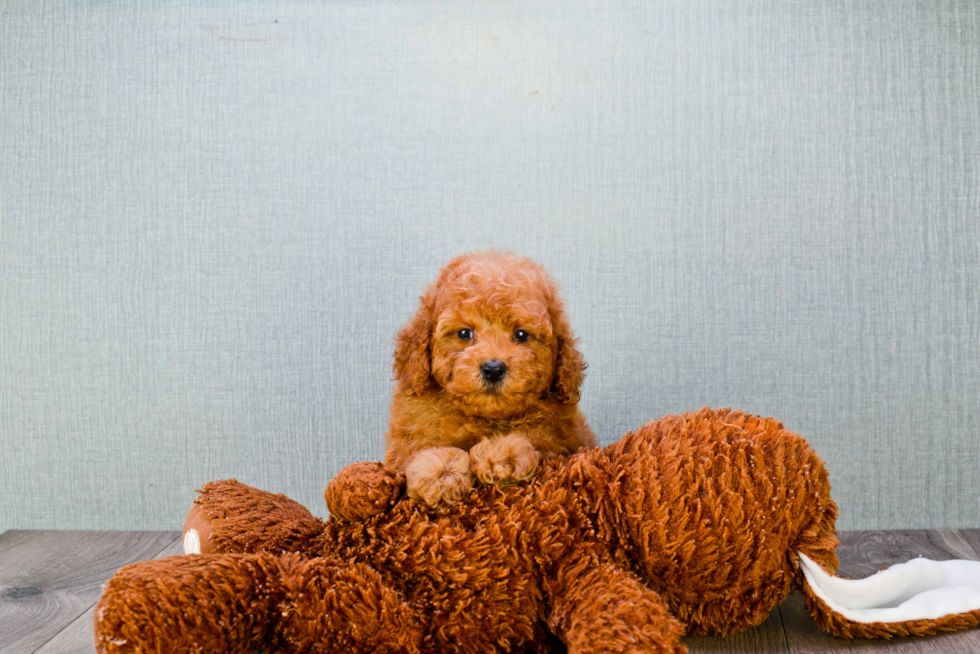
48 579
861 554
767 638
972 537
77 637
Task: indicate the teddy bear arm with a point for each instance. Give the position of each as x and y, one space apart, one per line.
230 517
602 607
363 490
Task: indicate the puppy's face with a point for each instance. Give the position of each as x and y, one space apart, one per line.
491 334
494 360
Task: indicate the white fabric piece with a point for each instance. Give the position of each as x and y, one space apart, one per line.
192 542
919 589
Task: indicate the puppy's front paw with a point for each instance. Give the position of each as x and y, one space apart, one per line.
438 474
504 459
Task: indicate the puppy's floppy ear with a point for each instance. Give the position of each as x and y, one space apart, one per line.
569 365
412 362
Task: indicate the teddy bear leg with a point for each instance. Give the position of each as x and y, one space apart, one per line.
332 606
229 517
604 608
220 604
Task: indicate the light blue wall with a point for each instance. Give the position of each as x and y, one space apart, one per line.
213 220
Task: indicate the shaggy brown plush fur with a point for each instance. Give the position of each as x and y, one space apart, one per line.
692 524
448 421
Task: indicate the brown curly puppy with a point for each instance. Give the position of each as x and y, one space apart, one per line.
487 379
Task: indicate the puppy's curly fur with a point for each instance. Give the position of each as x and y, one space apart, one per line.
487 379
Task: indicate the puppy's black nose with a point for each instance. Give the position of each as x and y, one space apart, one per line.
493 371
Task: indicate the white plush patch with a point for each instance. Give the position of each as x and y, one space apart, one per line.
192 543
919 589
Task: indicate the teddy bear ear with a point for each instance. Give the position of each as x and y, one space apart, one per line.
412 363
569 365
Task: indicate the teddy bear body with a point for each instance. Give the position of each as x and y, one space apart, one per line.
691 524
665 511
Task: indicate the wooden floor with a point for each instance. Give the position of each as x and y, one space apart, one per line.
50 580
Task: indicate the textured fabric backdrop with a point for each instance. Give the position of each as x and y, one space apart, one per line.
214 219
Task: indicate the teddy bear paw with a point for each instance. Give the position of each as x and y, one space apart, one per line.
197 531
363 490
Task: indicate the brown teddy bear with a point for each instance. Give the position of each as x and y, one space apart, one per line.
699 523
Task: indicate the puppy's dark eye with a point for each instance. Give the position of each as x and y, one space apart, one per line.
521 336
465 334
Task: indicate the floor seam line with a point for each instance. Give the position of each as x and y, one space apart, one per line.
85 610
782 627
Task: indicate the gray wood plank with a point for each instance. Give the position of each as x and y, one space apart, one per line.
861 554
49 578
77 638
765 639
972 537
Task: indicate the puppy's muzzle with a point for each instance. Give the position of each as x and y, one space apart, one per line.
493 371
